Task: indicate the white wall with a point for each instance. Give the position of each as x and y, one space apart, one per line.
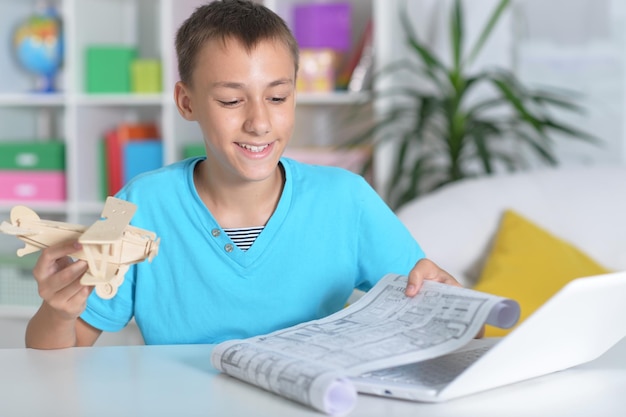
579 45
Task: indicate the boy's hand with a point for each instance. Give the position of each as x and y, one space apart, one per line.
427 269
58 280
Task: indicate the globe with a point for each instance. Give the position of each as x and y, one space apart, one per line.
38 43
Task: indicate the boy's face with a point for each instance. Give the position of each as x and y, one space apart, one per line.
244 103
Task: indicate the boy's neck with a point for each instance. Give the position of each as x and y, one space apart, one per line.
239 204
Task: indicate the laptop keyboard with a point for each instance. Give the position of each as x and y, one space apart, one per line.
433 373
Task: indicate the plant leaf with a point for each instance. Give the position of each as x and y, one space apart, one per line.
543 151
456 26
495 16
543 98
428 58
573 132
517 103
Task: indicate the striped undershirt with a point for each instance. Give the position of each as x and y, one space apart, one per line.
244 237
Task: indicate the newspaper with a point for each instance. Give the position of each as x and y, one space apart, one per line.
312 362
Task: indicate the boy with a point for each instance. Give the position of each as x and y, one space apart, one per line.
311 234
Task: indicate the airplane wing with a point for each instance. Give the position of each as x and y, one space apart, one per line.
116 215
36 233
9 229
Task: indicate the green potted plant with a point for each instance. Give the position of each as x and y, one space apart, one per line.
440 135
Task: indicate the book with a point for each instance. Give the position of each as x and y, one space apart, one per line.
362 55
113 162
115 140
311 363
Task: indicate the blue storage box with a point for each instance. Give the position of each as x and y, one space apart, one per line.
141 156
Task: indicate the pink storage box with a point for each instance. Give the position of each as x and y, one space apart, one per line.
32 185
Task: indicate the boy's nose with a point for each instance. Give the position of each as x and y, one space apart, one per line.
258 121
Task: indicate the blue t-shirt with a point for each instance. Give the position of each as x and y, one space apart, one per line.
330 233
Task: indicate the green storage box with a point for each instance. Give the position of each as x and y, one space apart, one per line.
109 68
194 150
32 156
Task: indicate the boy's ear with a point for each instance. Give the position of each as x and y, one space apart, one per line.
183 101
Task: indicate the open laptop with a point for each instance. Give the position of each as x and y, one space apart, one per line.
575 326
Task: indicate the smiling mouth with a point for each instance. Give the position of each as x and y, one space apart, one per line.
253 148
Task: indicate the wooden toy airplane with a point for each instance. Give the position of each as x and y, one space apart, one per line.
110 245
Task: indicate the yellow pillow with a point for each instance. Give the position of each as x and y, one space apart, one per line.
529 264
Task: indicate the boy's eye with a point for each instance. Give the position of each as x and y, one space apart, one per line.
229 103
278 99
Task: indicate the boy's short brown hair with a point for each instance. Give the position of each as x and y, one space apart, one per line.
242 20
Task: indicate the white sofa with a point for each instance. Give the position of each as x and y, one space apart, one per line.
584 206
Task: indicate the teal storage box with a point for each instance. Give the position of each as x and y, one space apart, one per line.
32 155
109 68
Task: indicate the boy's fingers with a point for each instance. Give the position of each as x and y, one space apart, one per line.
54 258
61 250
426 269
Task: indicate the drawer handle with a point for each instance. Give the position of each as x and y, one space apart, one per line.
26 159
25 190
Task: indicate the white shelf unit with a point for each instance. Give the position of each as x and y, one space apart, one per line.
81 119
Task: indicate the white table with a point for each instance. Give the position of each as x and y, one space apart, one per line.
178 381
